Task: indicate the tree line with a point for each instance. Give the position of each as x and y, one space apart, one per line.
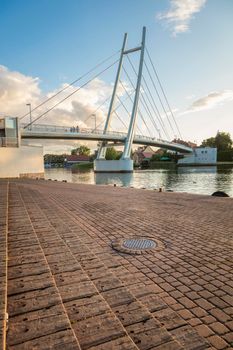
222 141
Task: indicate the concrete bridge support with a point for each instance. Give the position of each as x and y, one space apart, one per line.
113 166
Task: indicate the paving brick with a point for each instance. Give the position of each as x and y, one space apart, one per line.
173 345
118 296
22 332
124 343
189 338
229 337
169 318
57 341
153 302
185 314
208 319
75 225
187 302
204 304
152 338
199 312
204 330
131 314
220 315
219 328
80 309
194 321
217 342
98 330
230 325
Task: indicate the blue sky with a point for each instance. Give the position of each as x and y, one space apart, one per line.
57 40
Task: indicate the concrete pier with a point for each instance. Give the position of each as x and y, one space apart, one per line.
69 282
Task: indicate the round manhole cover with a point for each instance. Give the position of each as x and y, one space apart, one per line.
137 245
140 244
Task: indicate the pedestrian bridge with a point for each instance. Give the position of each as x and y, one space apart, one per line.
53 132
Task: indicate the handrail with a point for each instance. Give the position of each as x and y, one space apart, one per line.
73 130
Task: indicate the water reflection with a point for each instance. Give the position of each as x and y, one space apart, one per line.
189 169
121 179
202 180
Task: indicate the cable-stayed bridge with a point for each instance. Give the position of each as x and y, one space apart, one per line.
53 132
138 101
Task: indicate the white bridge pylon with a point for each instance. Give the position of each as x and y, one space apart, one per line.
125 164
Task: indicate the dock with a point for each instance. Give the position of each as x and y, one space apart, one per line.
103 267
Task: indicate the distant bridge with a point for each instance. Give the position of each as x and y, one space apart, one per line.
52 132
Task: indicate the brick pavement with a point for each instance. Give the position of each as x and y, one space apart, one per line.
3 262
67 287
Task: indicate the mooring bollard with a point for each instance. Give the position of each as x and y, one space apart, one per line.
160 189
114 185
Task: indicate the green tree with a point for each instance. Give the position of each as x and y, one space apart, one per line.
210 142
54 158
81 150
112 154
222 141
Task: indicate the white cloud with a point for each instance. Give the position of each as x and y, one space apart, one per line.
17 89
180 13
213 99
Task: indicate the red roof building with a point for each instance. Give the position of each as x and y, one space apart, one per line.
142 153
74 159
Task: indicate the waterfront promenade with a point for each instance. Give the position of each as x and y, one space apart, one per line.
65 287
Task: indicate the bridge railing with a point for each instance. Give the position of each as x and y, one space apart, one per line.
68 130
76 130
64 129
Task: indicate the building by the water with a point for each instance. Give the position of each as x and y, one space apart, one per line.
17 159
200 156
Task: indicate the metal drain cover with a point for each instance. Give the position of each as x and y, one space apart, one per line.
140 244
137 245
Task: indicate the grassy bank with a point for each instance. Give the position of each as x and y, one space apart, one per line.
81 166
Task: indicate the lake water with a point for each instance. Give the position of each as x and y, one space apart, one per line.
200 180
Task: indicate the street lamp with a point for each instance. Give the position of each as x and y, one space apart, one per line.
30 112
94 115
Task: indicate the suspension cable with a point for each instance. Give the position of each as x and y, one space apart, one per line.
157 93
71 84
139 112
158 115
99 107
155 108
125 108
122 121
76 90
165 97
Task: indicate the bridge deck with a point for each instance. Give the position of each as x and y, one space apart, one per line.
65 133
68 289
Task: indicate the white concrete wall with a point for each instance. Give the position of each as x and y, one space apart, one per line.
15 162
201 155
